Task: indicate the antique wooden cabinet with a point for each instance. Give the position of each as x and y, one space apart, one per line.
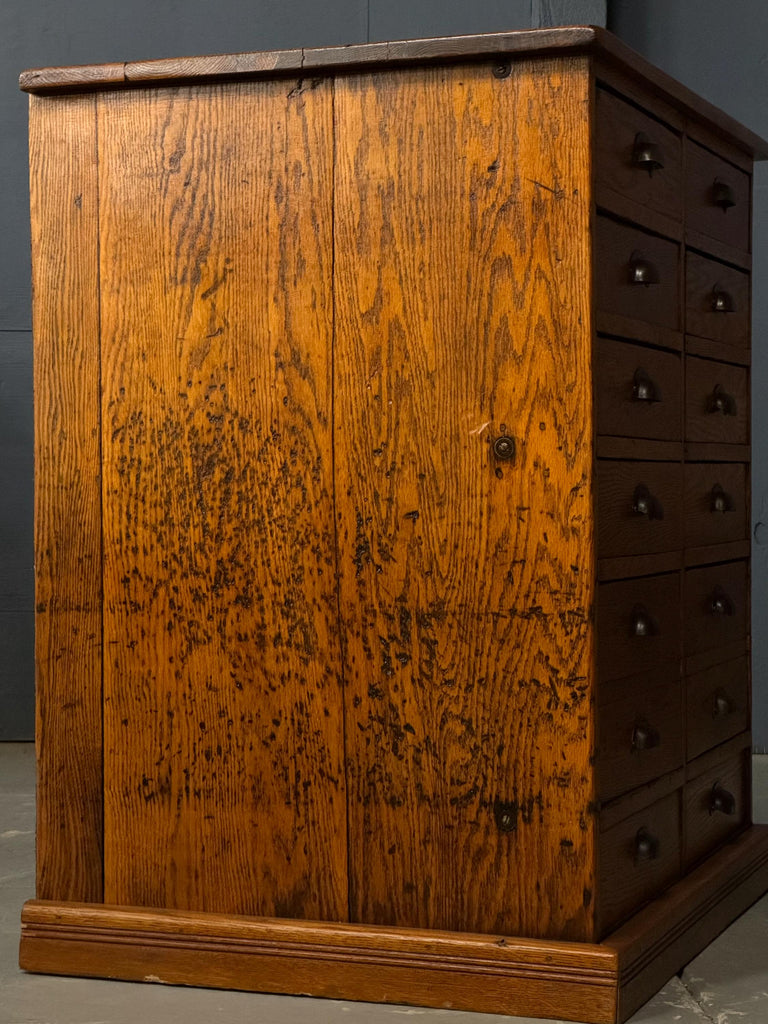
392 523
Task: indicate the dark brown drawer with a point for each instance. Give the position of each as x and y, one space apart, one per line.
638 859
639 391
639 733
626 257
638 627
716 402
716 806
639 507
716 197
716 301
714 606
717 703
715 503
637 157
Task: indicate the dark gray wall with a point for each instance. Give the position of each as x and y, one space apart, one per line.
720 50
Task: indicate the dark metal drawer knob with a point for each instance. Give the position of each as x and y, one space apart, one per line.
722 705
645 737
645 504
720 603
504 448
720 501
721 800
643 623
722 301
720 401
644 389
641 270
723 195
647 154
646 846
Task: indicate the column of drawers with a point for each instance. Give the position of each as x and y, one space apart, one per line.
672 412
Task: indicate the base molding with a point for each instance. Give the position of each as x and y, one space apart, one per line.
602 983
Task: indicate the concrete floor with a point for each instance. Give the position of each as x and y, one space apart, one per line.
727 984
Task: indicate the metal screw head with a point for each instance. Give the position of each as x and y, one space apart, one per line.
502 70
504 447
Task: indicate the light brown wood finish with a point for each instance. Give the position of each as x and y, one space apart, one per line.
64 206
452 314
224 776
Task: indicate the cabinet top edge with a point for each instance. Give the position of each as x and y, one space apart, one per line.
559 41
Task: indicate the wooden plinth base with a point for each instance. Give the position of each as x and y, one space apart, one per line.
603 983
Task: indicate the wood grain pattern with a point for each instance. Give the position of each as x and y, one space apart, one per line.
68 624
702 169
706 627
461 264
224 782
618 368
717 702
705 827
652 602
621 530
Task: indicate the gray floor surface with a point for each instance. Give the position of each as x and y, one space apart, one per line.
727 984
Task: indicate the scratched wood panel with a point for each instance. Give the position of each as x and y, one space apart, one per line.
223 732
64 216
462 314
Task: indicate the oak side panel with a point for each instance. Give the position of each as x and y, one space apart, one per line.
461 290
64 209
223 726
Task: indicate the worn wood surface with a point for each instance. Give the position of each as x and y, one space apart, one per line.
638 622
706 827
717 705
68 623
224 779
461 264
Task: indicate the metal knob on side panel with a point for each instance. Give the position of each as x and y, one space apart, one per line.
647 154
646 846
642 271
504 448
720 800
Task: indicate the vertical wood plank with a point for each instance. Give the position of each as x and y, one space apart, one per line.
64 209
223 726
462 314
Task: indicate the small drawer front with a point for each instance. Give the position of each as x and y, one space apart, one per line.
637 157
714 606
716 806
637 274
638 627
639 507
640 734
638 859
716 402
715 503
716 301
716 197
638 391
717 703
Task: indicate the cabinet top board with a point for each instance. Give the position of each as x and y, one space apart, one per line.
500 46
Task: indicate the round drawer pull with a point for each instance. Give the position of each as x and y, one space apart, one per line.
647 154
641 270
504 448
644 389
722 705
646 846
720 401
643 623
720 500
722 301
645 737
721 800
723 195
645 504
720 603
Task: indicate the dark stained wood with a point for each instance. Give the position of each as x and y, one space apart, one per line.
709 349
707 554
623 531
617 125
711 452
638 627
621 326
716 402
222 707
703 660
719 250
703 523
621 370
456 567
704 627
613 812
68 627
638 448
705 826
702 169
622 566
704 277
717 705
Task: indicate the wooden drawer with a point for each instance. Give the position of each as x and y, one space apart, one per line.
717 703
715 805
639 507
640 732
714 606
639 391
716 402
638 627
625 254
715 503
638 858
717 303
716 197
637 157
